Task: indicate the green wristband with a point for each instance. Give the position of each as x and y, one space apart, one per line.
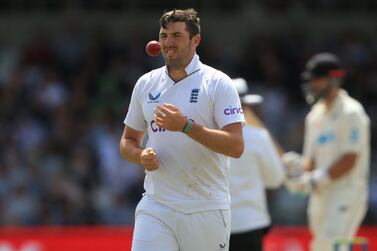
188 126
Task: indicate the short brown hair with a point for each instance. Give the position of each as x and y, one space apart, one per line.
188 16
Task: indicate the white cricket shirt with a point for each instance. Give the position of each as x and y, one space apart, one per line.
258 168
191 178
330 134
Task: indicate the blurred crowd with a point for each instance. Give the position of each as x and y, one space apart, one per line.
64 95
222 5
63 99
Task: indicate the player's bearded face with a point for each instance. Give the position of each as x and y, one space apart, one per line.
317 89
178 57
177 47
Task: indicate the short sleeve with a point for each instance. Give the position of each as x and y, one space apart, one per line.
352 132
135 118
227 105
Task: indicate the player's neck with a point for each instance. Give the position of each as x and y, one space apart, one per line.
177 74
330 100
178 71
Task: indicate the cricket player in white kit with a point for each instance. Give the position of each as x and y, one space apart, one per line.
336 155
258 168
193 117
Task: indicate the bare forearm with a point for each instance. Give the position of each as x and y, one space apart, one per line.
224 142
342 166
338 169
130 150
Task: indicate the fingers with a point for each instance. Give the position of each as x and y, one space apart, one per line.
170 107
160 116
169 117
165 109
151 165
297 186
149 159
293 164
148 154
160 111
300 185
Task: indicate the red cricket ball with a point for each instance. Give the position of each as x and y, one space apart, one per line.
153 48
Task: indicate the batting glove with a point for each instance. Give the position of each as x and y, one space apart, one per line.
293 163
308 182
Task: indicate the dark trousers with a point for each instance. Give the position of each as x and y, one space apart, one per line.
248 241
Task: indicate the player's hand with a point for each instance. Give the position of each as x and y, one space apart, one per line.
308 182
293 163
149 159
169 117
299 185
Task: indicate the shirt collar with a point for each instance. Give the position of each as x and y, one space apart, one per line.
193 66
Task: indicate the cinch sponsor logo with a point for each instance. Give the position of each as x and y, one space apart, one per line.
233 110
156 128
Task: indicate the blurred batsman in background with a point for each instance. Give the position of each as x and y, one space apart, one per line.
258 168
193 118
334 168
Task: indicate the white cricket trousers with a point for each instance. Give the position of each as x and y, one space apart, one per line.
160 228
337 218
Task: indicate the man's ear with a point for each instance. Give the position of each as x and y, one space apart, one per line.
196 40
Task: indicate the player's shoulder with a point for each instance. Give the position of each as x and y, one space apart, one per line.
350 104
314 111
148 77
155 73
351 107
214 75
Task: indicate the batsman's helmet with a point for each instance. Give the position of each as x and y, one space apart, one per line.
322 65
